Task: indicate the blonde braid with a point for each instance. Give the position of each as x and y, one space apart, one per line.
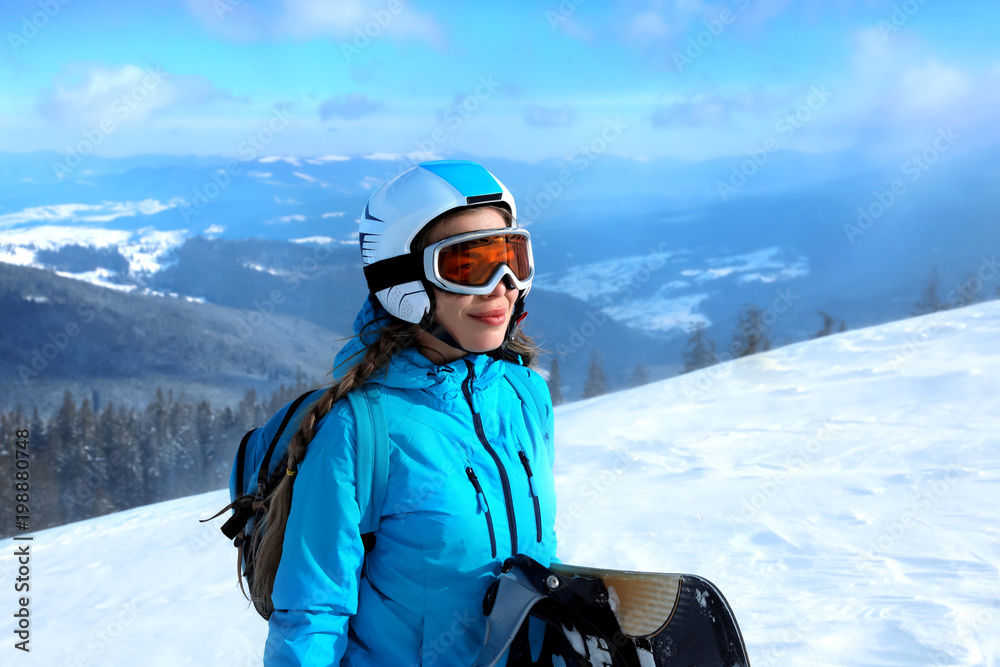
278 505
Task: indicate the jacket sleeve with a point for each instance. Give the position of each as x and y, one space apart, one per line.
316 586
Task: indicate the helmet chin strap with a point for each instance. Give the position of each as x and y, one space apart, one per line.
434 328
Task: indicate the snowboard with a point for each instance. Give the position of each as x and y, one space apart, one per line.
571 616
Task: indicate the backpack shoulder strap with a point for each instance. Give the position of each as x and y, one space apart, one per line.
519 379
293 415
372 463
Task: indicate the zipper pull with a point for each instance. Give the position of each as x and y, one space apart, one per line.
484 508
534 494
480 496
527 469
471 380
472 390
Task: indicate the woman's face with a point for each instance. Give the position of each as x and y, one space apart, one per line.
478 323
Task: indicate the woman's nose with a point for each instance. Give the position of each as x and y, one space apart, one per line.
502 287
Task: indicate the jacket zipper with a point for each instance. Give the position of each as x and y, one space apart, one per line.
508 498
534 494
483 507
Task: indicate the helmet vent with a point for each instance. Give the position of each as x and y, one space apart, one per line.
479 199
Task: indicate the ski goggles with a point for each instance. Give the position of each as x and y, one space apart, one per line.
475 262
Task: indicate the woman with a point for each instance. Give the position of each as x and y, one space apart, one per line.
470 467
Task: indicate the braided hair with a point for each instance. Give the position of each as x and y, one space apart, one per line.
392 338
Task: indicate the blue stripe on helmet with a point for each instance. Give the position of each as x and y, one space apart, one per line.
468 178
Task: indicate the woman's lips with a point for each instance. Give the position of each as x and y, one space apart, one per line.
492 318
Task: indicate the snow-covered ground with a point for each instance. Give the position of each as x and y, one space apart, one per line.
146 250
616 285
842 492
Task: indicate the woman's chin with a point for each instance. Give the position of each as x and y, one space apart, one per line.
482 343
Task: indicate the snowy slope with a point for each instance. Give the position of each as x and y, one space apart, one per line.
841 492
146 250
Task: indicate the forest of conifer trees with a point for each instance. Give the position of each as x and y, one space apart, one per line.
86 462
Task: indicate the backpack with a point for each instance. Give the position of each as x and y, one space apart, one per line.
261 460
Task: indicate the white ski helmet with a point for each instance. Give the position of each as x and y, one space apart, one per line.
402 206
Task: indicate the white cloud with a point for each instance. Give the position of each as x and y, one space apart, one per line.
319 240
932 87
294 161
285 219
899 93
327 158
384 156
305 177
898 80
345 18
309 19
649 25
396 157
96 95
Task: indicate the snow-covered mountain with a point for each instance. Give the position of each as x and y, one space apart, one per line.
651 244
841 492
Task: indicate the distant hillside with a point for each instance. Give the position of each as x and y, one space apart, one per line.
63 334
650 244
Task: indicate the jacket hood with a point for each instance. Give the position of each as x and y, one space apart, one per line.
408 367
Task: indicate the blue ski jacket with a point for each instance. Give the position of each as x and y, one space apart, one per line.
470 484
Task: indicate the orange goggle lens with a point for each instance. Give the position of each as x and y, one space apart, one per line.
472 263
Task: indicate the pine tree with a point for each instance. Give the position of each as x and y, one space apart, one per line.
187 460
225 427
246 411
45 478
8 428
596 383
65 438
750 335
829 322
699 352
640 376
85 460
154 438
104 467
204 428
127 457
555 383
929 301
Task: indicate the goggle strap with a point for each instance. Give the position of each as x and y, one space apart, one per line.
393 271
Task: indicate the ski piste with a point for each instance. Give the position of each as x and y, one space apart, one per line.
608 618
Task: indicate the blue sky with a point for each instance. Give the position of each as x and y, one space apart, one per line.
690 80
